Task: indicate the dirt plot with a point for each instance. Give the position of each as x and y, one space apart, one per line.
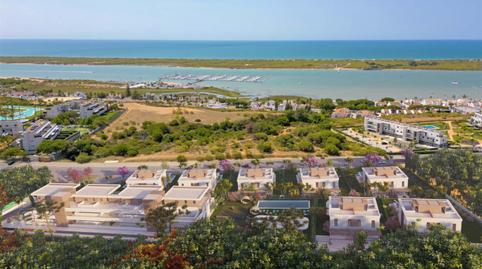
140 113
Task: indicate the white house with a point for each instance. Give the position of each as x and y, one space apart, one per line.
319 178
349 215
193 204
255 177
406 132
144 177
37 132
422 213
198 177
392 176
476 120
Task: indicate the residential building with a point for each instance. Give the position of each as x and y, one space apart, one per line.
146 177
476 120
37 132
422 213
55 110
257 179
93 209
341 112
406 132
319 178
349 215
198 177
91 109
10 127
193 204
392 176
274 207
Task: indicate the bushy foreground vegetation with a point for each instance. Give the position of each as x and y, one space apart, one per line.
454 172
218 244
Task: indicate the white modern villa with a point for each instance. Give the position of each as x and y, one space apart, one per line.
422 213
391 176
198 177
319 178
406 132
349 215
10 127
255 178
109 209
193 204
147 177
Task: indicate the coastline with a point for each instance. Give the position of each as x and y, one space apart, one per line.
278 64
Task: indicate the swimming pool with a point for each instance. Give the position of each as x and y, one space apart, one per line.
22 112
430 127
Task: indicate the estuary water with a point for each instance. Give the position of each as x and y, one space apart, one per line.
346 84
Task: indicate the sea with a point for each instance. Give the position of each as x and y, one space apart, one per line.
346 84
393 49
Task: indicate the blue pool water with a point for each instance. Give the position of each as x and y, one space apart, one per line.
430 127
23 113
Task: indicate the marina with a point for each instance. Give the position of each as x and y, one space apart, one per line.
199 78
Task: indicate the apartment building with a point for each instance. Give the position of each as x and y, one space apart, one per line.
91 109
193 204
476 120
349 215
391 176
55 110
406 132
146 177
10 127
255 178
37 132
422 213
198 177
319 178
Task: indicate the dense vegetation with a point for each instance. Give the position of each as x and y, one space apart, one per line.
18 183
219 244
257 136
244 64
454 172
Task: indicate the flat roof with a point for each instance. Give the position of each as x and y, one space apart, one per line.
138 192
96 190
283 204
186 193
53 188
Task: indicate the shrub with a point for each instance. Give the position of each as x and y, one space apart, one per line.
83 158
306 146
265 147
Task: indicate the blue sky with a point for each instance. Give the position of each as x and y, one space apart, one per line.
241 19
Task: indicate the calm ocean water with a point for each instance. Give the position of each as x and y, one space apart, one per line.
347 84
439 49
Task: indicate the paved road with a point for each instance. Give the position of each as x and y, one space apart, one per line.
107 171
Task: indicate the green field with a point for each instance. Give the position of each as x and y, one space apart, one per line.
466 65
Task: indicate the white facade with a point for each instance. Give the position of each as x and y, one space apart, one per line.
392 176
319 178
353 213
476 120
406 132
193 204
39 131
422 213
91 109
55 110
258 178
145 177
198 177
10 127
